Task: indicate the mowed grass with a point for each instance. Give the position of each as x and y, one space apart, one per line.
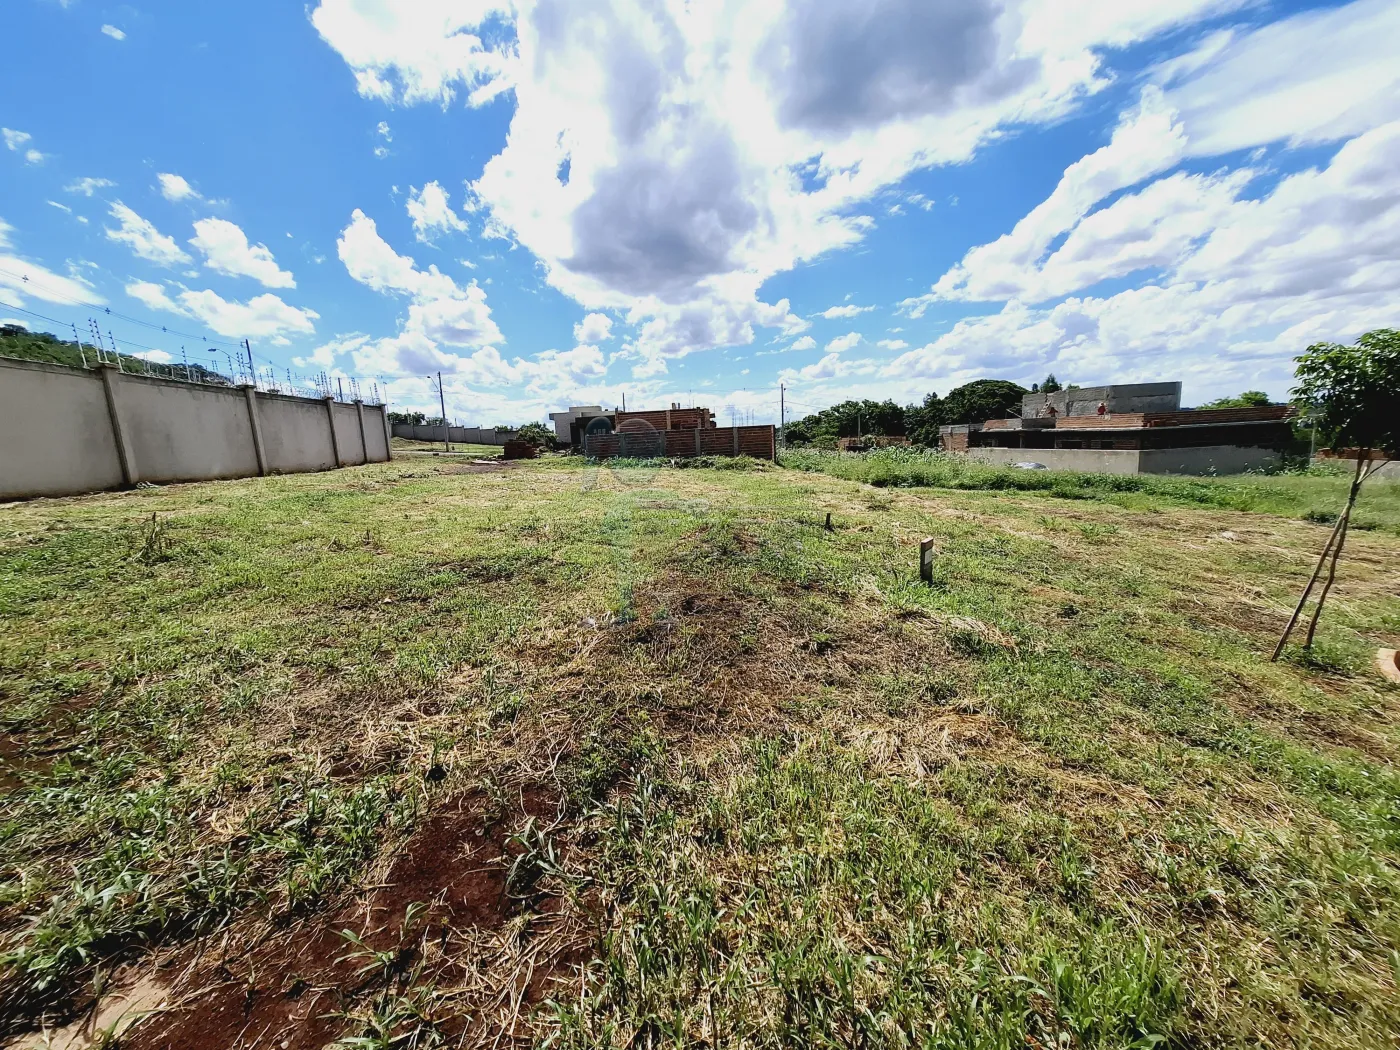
1059 798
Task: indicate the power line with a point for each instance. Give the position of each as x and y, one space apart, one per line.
50 294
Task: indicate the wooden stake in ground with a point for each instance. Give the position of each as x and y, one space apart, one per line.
1331 553
926 553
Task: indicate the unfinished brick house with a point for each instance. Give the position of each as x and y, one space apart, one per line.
1128 429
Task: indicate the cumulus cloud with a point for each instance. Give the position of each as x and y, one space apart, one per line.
665 160
324 356
262 317
1316 258
176 188
226 250
416 52
848 310
892 344
804 343
143 238
1148 140
843 343
594 328
431 212
440 311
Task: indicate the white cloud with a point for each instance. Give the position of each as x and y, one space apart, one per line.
805 343
594 328
432 213
59 206
33 156
848 310
176 188
158 357
1317 258
843 343
143 238
440 311
383 131
262 317
87 187
21 279
892 344
226 250
15 139
1148 140
415 52
1319 76
324 356
665 160
113 32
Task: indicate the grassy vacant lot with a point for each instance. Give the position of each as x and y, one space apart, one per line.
441 753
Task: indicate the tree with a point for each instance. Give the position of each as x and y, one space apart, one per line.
536 434
1249 399
848 419
411 418
921 422
982 400
1050 385
1352 394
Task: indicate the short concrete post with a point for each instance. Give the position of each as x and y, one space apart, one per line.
335 441
736 440
251 393
364 443
130 475
926 553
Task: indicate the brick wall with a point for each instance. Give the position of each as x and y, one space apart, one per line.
669 419
759 442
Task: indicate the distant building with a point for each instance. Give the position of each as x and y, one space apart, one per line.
564 421
1128 429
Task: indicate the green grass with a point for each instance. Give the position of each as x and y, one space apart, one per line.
1315 493
1059 798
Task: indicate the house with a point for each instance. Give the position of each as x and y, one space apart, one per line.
1128 429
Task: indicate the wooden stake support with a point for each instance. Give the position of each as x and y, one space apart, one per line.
926 553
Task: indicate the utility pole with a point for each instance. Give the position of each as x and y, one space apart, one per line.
252 372
340 388
446 427
782 409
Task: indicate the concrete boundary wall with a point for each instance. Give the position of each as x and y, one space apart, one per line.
1209 459
65 431
459 435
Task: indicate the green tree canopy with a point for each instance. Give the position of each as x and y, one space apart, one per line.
982 400
412 418
537 434
1352 393
921 422
1249 399
847 419
1050 385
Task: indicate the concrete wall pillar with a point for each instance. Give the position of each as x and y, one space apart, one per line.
697 441
736 439
388 431
335 441
364 442
251 393
130 475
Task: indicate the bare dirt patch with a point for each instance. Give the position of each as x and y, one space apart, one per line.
444 929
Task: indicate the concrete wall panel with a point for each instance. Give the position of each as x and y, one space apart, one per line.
55 432
347 432
1092 460
296 433
182 431
1209 459
376 437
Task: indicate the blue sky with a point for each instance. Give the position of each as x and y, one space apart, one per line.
556 202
